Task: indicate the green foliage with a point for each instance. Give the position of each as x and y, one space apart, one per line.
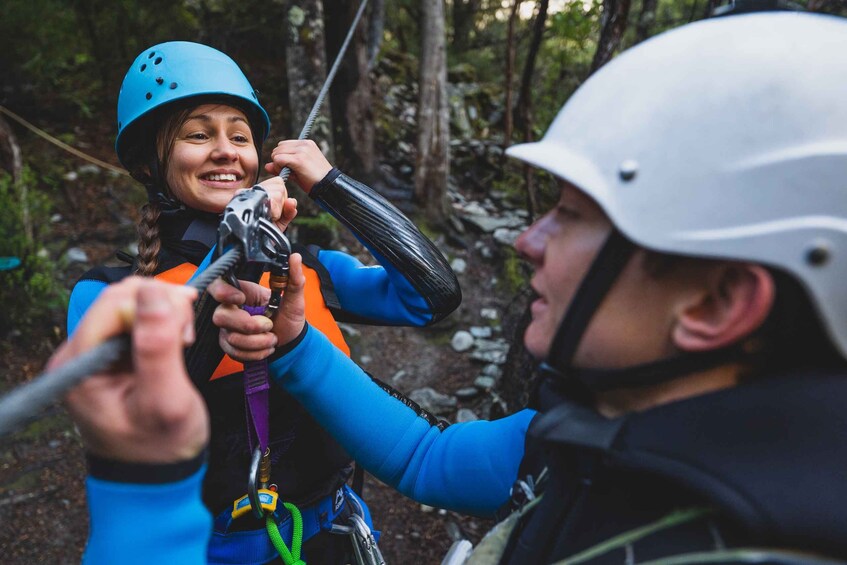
31 294
514 275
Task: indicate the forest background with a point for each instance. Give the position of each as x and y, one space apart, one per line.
424 104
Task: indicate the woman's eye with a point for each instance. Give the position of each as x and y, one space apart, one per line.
240 139
197 135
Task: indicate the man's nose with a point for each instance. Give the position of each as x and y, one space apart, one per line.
530 244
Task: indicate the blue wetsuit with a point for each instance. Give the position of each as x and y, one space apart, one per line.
468 467
413 285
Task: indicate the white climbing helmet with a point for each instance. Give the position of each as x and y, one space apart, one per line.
723 138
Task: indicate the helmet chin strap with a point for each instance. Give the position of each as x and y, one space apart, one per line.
604 271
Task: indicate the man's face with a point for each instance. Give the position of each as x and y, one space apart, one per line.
633 323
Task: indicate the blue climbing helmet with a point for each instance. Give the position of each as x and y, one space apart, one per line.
177 71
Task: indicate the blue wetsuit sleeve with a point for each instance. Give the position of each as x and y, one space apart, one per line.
83 295
147 523
468 467
379 293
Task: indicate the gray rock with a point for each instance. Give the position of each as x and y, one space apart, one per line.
398 376
462 341
493 371
489 313
488 224
433 401
506 236
458 265
466 415
484 383
76 255
349 330
467 393
480 331
498 357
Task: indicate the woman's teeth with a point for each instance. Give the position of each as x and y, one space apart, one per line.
224 177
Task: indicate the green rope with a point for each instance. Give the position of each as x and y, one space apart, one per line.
673 519
289 557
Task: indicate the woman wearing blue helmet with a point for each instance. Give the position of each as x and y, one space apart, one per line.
190 129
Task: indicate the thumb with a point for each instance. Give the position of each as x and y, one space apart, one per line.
163 322
292 312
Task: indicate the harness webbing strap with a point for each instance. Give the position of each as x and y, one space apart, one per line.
256 390
675 518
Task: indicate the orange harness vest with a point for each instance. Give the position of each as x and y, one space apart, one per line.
318 314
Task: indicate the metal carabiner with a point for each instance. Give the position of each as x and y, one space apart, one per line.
253 484
364 543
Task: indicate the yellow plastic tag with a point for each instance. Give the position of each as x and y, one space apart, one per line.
267 499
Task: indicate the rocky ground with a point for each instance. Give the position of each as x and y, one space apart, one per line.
454 368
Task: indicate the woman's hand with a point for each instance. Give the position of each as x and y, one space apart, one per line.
308 165
253 338
149 412
283 208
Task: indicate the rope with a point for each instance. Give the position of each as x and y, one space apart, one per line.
61 144
27 400
330 76
289 557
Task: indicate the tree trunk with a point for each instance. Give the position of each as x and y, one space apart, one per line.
305 57
646 19
376 28
524 94
432 163
612 28
524 106
352 92
463 20
10 152
510 70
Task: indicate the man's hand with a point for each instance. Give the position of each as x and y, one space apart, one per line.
253 338
148 412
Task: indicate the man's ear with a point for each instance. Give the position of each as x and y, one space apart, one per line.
735 302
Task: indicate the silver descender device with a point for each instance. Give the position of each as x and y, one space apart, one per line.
246 224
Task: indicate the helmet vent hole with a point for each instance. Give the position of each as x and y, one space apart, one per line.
151 55
173 85
159 80
157 61
627 170
818 255
143 67
149 95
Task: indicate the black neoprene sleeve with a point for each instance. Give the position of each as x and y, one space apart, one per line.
388 232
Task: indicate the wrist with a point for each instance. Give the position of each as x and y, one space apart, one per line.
325 182
286 348
143 473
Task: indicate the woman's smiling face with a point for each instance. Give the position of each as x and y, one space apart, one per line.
212 157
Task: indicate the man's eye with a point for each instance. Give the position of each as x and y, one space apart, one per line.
567 212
